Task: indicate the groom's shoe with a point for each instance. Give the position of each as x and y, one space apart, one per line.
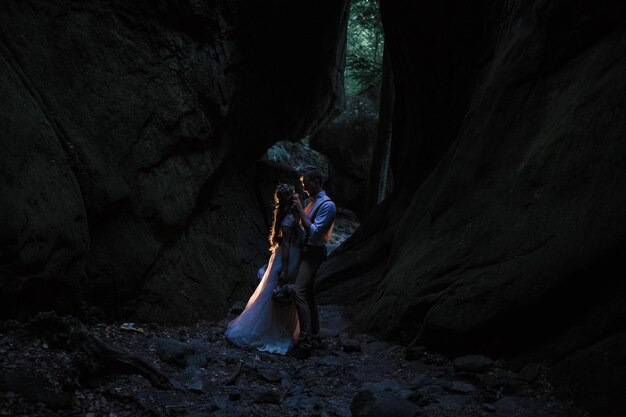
299 352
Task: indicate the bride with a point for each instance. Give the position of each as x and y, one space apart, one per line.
264 324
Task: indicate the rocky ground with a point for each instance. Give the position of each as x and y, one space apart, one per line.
354 375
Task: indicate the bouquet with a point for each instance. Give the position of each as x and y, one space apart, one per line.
283 294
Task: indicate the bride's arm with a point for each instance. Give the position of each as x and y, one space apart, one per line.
298 210
285 244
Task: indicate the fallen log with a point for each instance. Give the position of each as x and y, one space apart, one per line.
91 355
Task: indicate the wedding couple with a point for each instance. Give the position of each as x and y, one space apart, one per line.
297 238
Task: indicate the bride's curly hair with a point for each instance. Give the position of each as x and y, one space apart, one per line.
283 199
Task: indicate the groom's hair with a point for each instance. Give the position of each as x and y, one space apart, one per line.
312 173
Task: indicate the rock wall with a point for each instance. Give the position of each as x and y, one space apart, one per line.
505 230
130 135
348 141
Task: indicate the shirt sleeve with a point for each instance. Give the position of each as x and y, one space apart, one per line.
323 220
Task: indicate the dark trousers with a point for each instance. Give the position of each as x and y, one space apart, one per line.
312 258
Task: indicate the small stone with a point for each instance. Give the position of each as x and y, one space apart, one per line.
350 346
177 385
506 406
430 390
472 363
381 404
418 380
196 386
174 352
453 402
507 384
462 387
425 395
405 393
269 375
384 385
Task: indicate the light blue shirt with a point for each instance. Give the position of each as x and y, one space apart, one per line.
322 224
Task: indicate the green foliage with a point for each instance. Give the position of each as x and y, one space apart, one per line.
364 55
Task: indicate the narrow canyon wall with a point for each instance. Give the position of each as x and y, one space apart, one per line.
130 133
506 228
348 141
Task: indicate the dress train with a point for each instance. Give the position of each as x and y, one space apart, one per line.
264 324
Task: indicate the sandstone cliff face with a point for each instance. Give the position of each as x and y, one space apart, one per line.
130 133
506 227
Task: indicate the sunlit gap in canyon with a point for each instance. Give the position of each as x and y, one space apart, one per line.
343 148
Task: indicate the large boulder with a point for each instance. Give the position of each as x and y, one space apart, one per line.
297 156
348 141
505 229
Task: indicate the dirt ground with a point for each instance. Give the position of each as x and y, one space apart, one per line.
350 375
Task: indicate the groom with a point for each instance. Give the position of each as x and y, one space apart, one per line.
317 219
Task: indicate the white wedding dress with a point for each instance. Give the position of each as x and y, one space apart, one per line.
264 324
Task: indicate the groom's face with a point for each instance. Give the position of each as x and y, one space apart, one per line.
308 184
